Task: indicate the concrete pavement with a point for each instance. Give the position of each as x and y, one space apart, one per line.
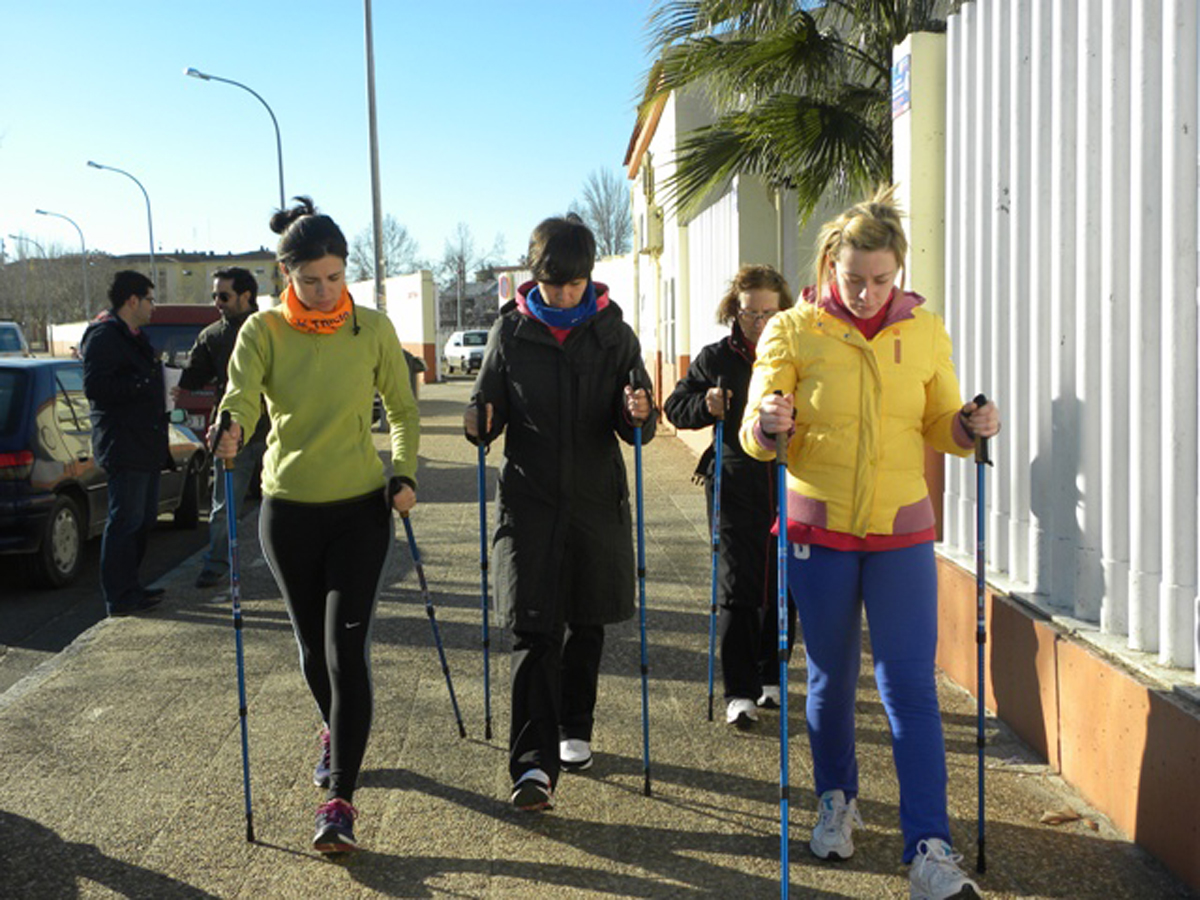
122 764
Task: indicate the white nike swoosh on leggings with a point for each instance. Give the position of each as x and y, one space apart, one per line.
352 624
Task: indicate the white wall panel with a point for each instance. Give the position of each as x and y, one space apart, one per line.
1071 296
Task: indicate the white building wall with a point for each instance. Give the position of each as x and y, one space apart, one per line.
1071 267
713 251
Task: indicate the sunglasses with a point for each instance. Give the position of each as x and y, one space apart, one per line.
223 296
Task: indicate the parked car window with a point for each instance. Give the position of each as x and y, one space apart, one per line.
72 409
12 399
12 340
475 339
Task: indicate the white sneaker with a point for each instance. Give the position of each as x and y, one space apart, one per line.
741 713
935 874
832 835
770 697
575 755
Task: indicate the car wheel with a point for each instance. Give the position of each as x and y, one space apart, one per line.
187 513
60 557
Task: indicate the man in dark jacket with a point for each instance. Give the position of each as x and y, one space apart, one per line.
235 294
123 380
556 375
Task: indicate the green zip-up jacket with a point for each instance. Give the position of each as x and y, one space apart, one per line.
319 390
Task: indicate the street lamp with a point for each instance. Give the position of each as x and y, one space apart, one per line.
25 280
87 303
204 76
149 217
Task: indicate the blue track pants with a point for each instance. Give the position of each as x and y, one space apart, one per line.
898 588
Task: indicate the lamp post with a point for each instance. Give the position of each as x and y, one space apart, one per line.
204 76
149 217
87 303
25 281
376 203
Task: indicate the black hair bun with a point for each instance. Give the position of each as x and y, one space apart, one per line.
282 219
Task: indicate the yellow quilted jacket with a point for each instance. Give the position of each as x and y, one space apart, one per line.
864 411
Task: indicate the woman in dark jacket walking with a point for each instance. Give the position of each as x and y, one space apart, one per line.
745 575
556 375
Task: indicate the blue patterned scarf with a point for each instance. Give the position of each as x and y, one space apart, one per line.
562 318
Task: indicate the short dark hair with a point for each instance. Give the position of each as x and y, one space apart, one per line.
126 284
307 235
561 249
242 280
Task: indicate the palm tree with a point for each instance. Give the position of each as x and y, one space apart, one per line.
801 90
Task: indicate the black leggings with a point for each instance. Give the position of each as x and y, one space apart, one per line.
328 560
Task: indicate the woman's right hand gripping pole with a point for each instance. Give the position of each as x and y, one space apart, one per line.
471 417
775 413
225 437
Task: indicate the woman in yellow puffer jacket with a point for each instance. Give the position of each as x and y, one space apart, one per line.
860 375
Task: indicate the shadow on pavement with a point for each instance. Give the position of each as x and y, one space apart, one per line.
36 863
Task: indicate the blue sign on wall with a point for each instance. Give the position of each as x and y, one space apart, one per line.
901 86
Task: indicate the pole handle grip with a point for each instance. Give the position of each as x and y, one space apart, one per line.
635 382
721 388
481 422
981 443
781 442
222 426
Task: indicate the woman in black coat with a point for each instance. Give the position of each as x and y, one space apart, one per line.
745 570
556 376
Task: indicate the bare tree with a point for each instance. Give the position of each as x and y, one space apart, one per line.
462 259
38 289
400 251
605 210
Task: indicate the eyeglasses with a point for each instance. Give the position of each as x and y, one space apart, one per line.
747 315
223 296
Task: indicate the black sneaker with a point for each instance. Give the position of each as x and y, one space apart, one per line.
209 578
150 599
532 792
335 827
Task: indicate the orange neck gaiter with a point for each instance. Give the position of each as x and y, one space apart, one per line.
313 321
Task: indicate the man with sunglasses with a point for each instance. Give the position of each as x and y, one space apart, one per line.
235 294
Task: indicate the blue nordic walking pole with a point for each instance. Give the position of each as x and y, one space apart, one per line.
437 636
235 595
482 426
719 444
781 548
634 383
981 462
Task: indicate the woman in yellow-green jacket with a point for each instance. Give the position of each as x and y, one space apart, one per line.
865 381
326 523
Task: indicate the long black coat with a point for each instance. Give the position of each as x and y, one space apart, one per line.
563 548
745 563
123 379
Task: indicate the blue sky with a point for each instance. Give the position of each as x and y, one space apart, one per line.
489 113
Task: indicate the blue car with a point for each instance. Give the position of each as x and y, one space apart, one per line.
53 495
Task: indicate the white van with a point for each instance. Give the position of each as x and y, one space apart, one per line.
464 351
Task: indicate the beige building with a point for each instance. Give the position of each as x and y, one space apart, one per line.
187 277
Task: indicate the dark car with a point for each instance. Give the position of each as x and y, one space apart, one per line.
172 332
53 495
